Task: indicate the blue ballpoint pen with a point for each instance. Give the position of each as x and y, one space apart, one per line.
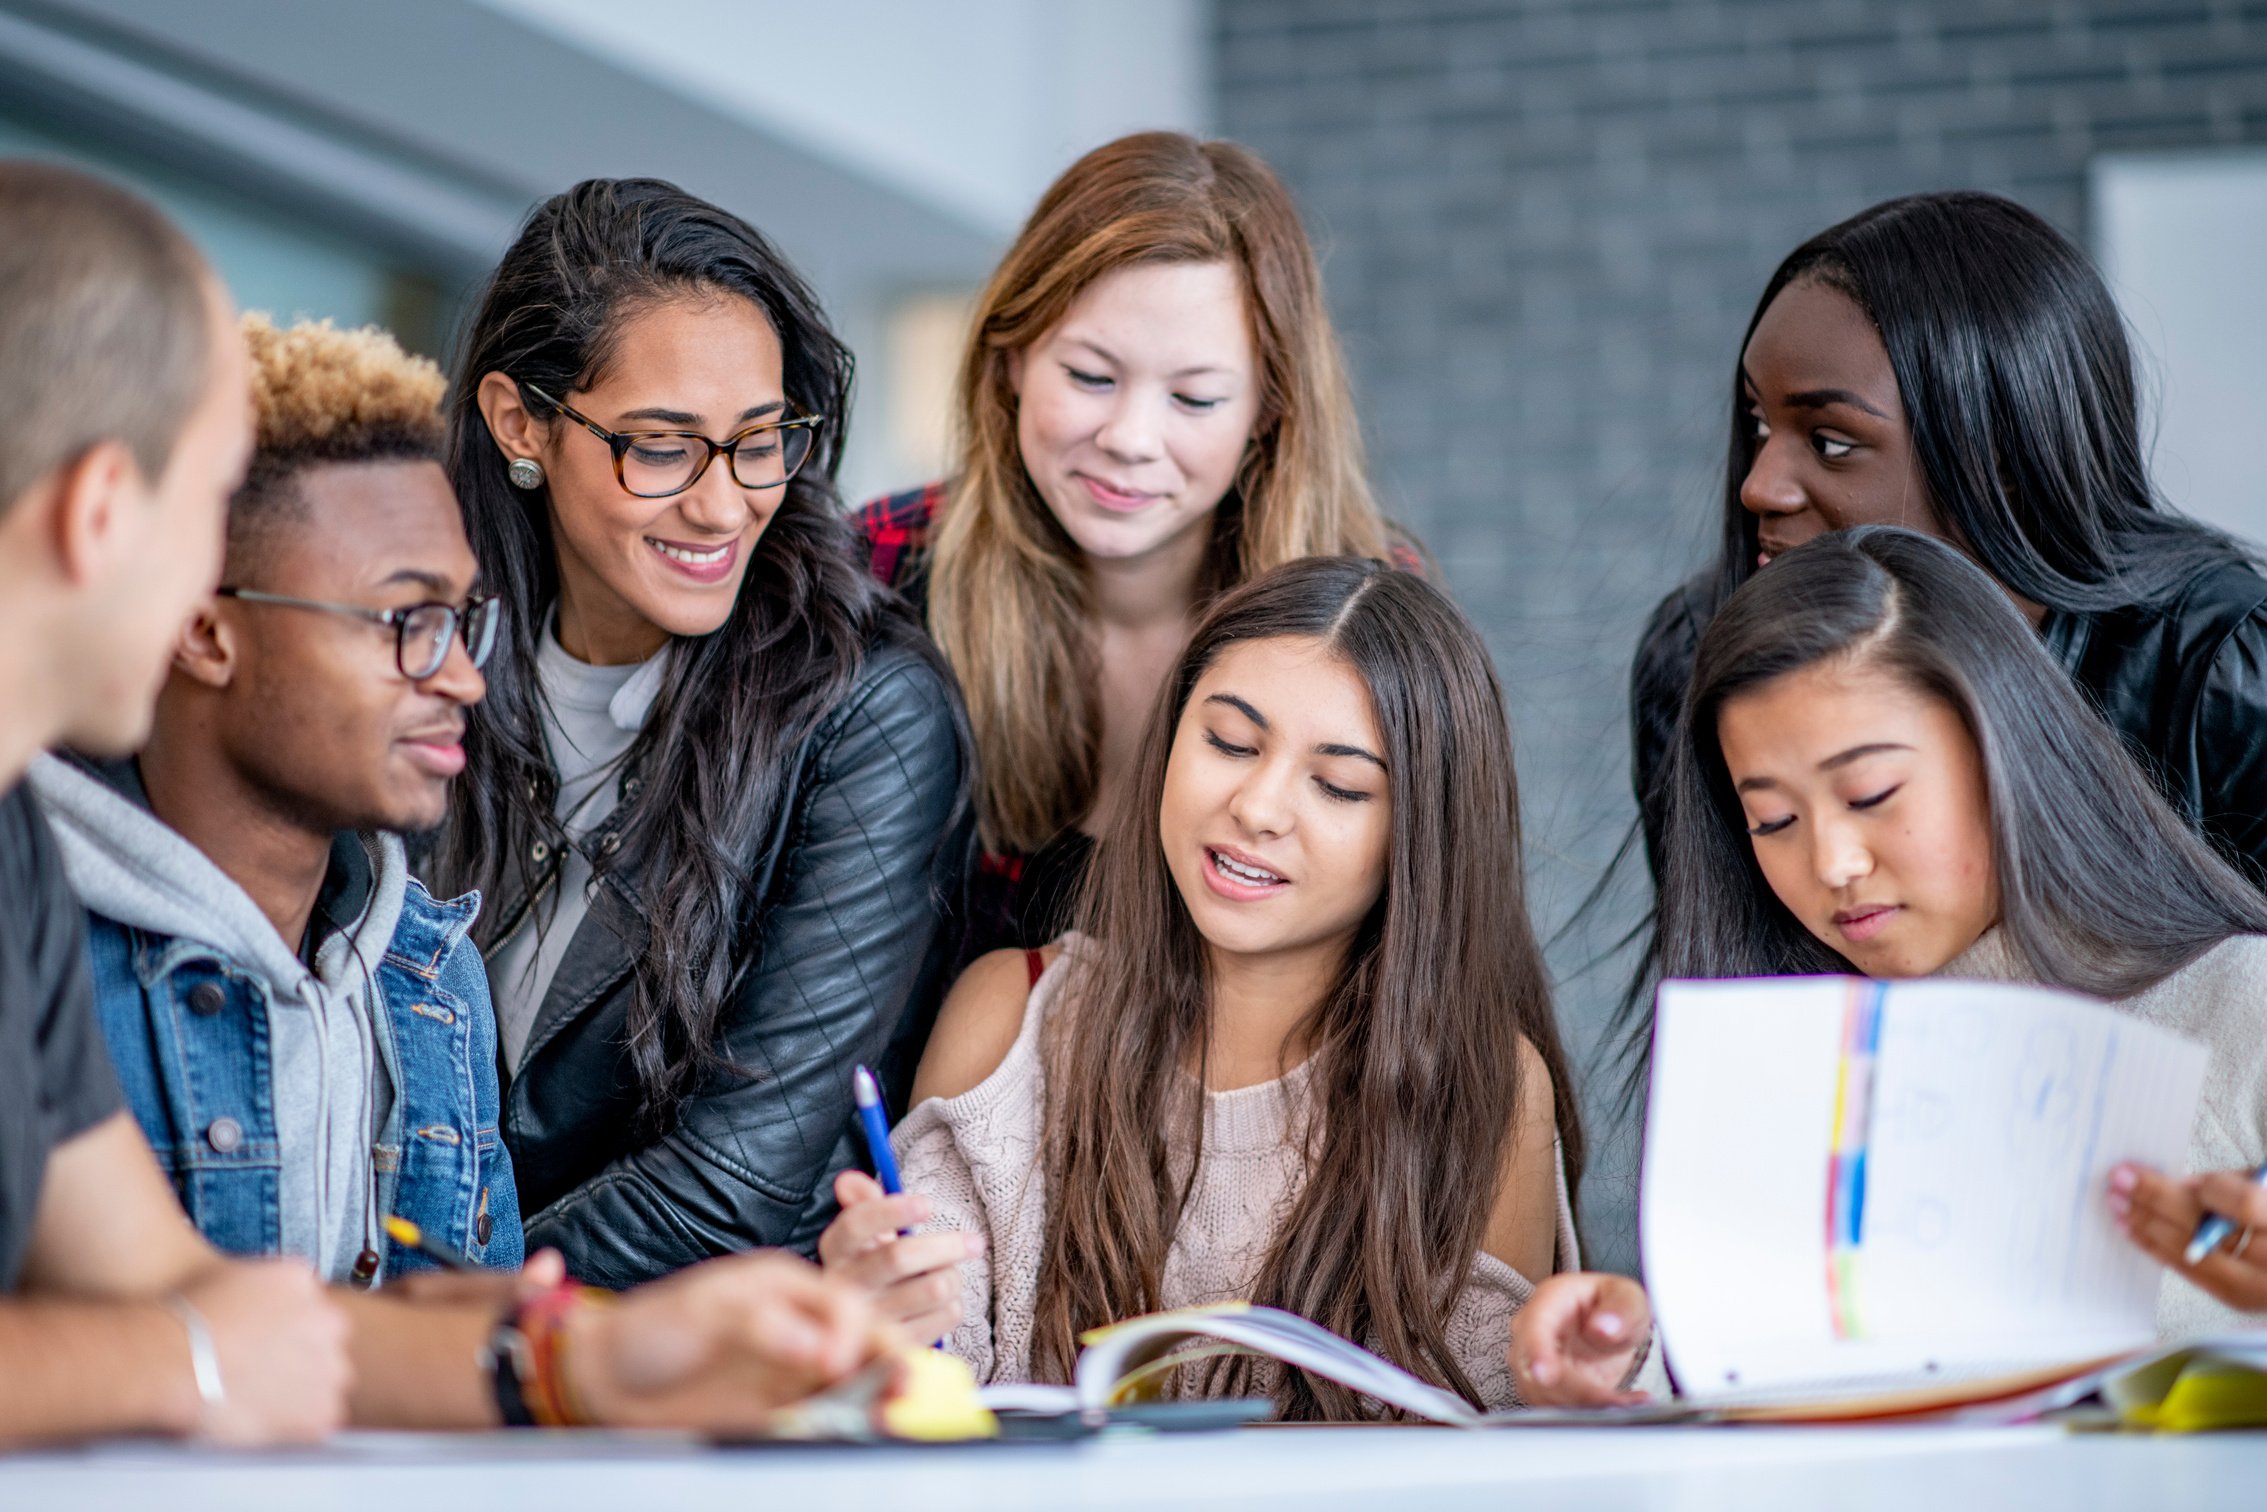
874 1123
2214 1230
867 1093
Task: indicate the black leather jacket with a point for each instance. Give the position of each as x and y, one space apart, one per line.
2184 685
849 964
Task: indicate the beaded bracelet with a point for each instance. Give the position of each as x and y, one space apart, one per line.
542 1321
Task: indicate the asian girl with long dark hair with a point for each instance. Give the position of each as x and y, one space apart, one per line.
1880 771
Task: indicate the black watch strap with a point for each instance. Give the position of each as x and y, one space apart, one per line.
505 1355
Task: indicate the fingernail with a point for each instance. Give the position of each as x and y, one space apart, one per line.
2120 1205
2124 1179
920 1207
1609 1326
1545 1371
975 1244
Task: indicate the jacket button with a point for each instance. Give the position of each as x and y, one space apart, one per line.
539 853
224 1134
483 1227
207 999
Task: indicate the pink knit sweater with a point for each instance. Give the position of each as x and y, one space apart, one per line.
976 1158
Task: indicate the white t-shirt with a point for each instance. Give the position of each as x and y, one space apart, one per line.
590 717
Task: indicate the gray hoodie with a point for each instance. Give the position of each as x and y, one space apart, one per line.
333 1083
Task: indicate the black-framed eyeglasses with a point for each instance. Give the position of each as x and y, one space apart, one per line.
422 632
653 464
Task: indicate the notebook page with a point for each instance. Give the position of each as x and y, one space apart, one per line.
1732 1213
1998 1112
1285 1336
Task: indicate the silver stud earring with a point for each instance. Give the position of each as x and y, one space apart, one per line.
526 474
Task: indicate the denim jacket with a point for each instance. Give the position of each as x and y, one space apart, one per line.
189 1027
190 1040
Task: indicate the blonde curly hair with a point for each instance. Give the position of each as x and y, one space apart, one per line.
323 395
344 396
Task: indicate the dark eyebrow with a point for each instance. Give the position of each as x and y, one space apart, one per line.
431 582
1233 702
1825 398
1327 749
1859 753
1808 398
681 418
1354 751
1837 760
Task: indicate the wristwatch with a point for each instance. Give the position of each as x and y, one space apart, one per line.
510 1364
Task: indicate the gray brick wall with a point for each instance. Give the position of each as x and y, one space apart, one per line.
1544 224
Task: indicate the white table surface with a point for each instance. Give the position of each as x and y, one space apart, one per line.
1909 1469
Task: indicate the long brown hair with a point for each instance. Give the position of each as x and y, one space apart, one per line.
1008 599
1415 1069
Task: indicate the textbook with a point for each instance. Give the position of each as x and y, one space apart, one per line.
1128 1362
1865 1198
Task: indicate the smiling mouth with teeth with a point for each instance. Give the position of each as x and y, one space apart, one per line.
691 558
1237 871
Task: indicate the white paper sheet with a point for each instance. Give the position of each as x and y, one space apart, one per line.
1996 1113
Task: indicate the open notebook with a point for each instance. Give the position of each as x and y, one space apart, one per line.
1127 1362
1860 1190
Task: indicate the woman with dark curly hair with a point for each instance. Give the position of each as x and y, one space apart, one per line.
713 796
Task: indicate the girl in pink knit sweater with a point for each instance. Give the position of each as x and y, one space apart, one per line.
1300 1049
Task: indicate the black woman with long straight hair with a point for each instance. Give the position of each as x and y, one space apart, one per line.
1953 364
715 799
1879 770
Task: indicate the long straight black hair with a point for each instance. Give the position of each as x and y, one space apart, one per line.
2020 389
2103 889
734 705
2019 385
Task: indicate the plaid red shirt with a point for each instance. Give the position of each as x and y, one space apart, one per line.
896 529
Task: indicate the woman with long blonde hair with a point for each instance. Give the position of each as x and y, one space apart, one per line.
1151 410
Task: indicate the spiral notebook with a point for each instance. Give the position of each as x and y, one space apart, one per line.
1877 1193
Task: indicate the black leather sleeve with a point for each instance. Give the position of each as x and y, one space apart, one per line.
1657 680
846 934
2231 746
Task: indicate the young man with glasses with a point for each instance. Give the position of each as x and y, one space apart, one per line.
302 1030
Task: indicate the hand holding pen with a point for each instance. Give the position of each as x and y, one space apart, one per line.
459 1281
2210 1228
715 1347
914 1278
